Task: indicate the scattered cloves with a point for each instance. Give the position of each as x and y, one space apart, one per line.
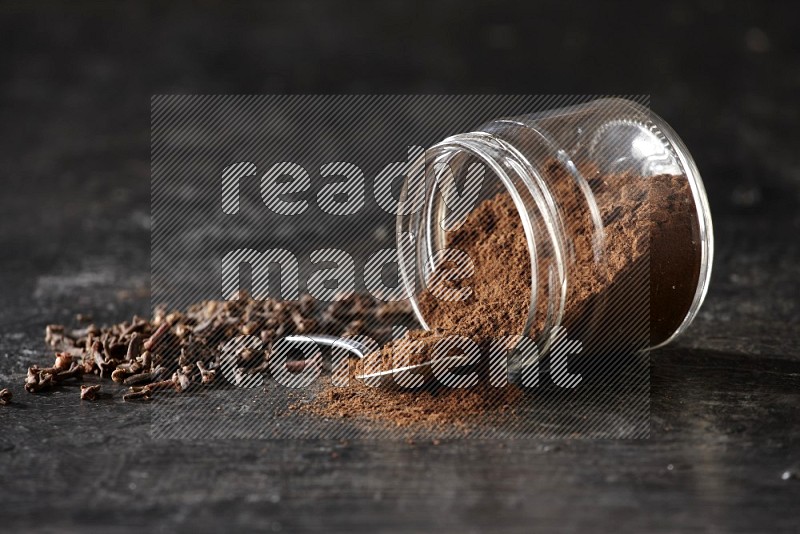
185 345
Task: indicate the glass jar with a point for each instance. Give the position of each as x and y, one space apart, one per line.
614 214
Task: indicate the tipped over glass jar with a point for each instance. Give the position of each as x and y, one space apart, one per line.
590 220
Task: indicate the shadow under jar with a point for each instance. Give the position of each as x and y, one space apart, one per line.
589 221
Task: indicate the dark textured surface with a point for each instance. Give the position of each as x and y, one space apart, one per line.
74 238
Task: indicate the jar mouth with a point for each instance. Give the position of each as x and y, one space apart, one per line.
521 181
703 212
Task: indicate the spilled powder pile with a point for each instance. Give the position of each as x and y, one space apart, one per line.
429 406
645 223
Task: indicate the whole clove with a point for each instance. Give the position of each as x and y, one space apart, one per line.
140 378
90 393
158 334
146 392
75 371
137 395
206 375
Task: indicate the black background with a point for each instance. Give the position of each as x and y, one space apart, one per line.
74 236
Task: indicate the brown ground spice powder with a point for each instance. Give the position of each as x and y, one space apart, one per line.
646 222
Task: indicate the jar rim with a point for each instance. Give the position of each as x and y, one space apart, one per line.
705 226
672 142
482 145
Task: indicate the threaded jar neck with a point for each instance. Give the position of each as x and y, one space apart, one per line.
507 171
